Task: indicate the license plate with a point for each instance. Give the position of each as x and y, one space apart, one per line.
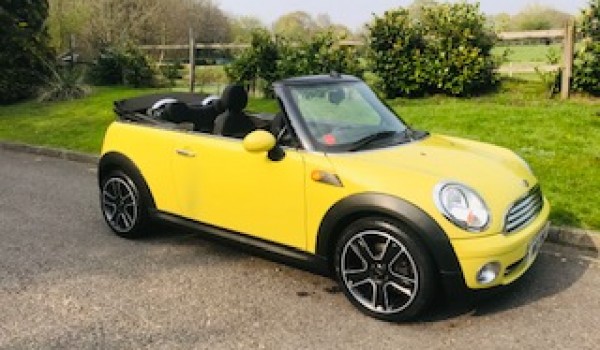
536 243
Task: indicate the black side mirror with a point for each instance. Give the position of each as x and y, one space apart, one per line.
276 153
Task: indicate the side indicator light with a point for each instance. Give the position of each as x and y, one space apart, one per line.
326 178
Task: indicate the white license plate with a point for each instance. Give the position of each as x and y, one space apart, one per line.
536 244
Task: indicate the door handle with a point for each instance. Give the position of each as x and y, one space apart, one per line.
185 153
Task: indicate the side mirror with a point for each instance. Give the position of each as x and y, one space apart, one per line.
259 141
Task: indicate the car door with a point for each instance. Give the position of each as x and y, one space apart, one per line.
219 183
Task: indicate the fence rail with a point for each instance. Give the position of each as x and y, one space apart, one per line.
567 34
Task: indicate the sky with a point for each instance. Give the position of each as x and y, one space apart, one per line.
354 13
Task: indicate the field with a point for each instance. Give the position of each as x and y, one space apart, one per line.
561 140
528 53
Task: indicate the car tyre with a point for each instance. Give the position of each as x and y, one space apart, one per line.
383 270
124 207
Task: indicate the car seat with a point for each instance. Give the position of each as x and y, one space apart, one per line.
234 122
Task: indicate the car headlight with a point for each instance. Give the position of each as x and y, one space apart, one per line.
462 206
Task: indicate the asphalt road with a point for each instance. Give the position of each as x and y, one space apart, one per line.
67 282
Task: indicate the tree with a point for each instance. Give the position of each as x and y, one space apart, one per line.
242 28
539 17
295 26
25 58
586 72
501 22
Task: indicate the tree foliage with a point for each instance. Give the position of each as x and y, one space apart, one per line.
447 50
272 58
97 24
300 26
531 17
396 52
124 65
25 57
586 72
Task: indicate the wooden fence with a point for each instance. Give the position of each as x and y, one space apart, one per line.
567 35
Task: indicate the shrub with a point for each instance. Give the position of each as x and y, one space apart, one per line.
396 49
172 72
586 67
459 45
446 50
25 51
64 84
122 66
270 59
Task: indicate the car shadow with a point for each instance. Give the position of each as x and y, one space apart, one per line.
556 269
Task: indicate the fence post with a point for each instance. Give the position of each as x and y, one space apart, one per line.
567 72
192 60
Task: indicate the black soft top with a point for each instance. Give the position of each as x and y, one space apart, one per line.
142 103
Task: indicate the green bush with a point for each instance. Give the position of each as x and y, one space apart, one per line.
321 54
257 62
459 44
270 59
446 50
64 84
586 67
172 72
396 54
25 55
122 66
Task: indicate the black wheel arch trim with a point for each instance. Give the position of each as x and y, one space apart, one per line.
367 204
115 160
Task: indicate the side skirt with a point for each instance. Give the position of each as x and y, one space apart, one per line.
272 251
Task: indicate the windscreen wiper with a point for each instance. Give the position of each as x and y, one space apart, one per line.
381 135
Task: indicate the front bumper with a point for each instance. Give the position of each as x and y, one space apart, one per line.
512 251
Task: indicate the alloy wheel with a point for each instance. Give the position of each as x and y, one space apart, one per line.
379 272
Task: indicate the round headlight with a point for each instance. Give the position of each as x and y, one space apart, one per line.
462 206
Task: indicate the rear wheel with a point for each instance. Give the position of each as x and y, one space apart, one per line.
123 206
384 271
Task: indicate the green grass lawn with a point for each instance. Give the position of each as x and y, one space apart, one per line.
527 53
561 140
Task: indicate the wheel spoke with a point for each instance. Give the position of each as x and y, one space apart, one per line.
401 279
391 252
379 297
108 195
357 277
110 215
125 220
404 290
361 249
128 197
128 217
120 190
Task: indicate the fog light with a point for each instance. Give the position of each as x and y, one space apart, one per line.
488 273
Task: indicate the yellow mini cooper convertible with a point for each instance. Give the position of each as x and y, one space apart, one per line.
335 180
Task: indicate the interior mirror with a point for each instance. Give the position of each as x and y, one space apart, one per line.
259 141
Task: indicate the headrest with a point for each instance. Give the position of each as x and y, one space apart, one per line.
234 98
336 96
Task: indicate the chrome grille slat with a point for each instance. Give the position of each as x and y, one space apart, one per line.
528 200
524 210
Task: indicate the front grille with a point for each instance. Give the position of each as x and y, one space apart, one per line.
524 210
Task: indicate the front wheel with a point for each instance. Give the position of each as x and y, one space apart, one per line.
123 206
383 271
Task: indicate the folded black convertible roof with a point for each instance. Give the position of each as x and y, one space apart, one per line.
142 103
